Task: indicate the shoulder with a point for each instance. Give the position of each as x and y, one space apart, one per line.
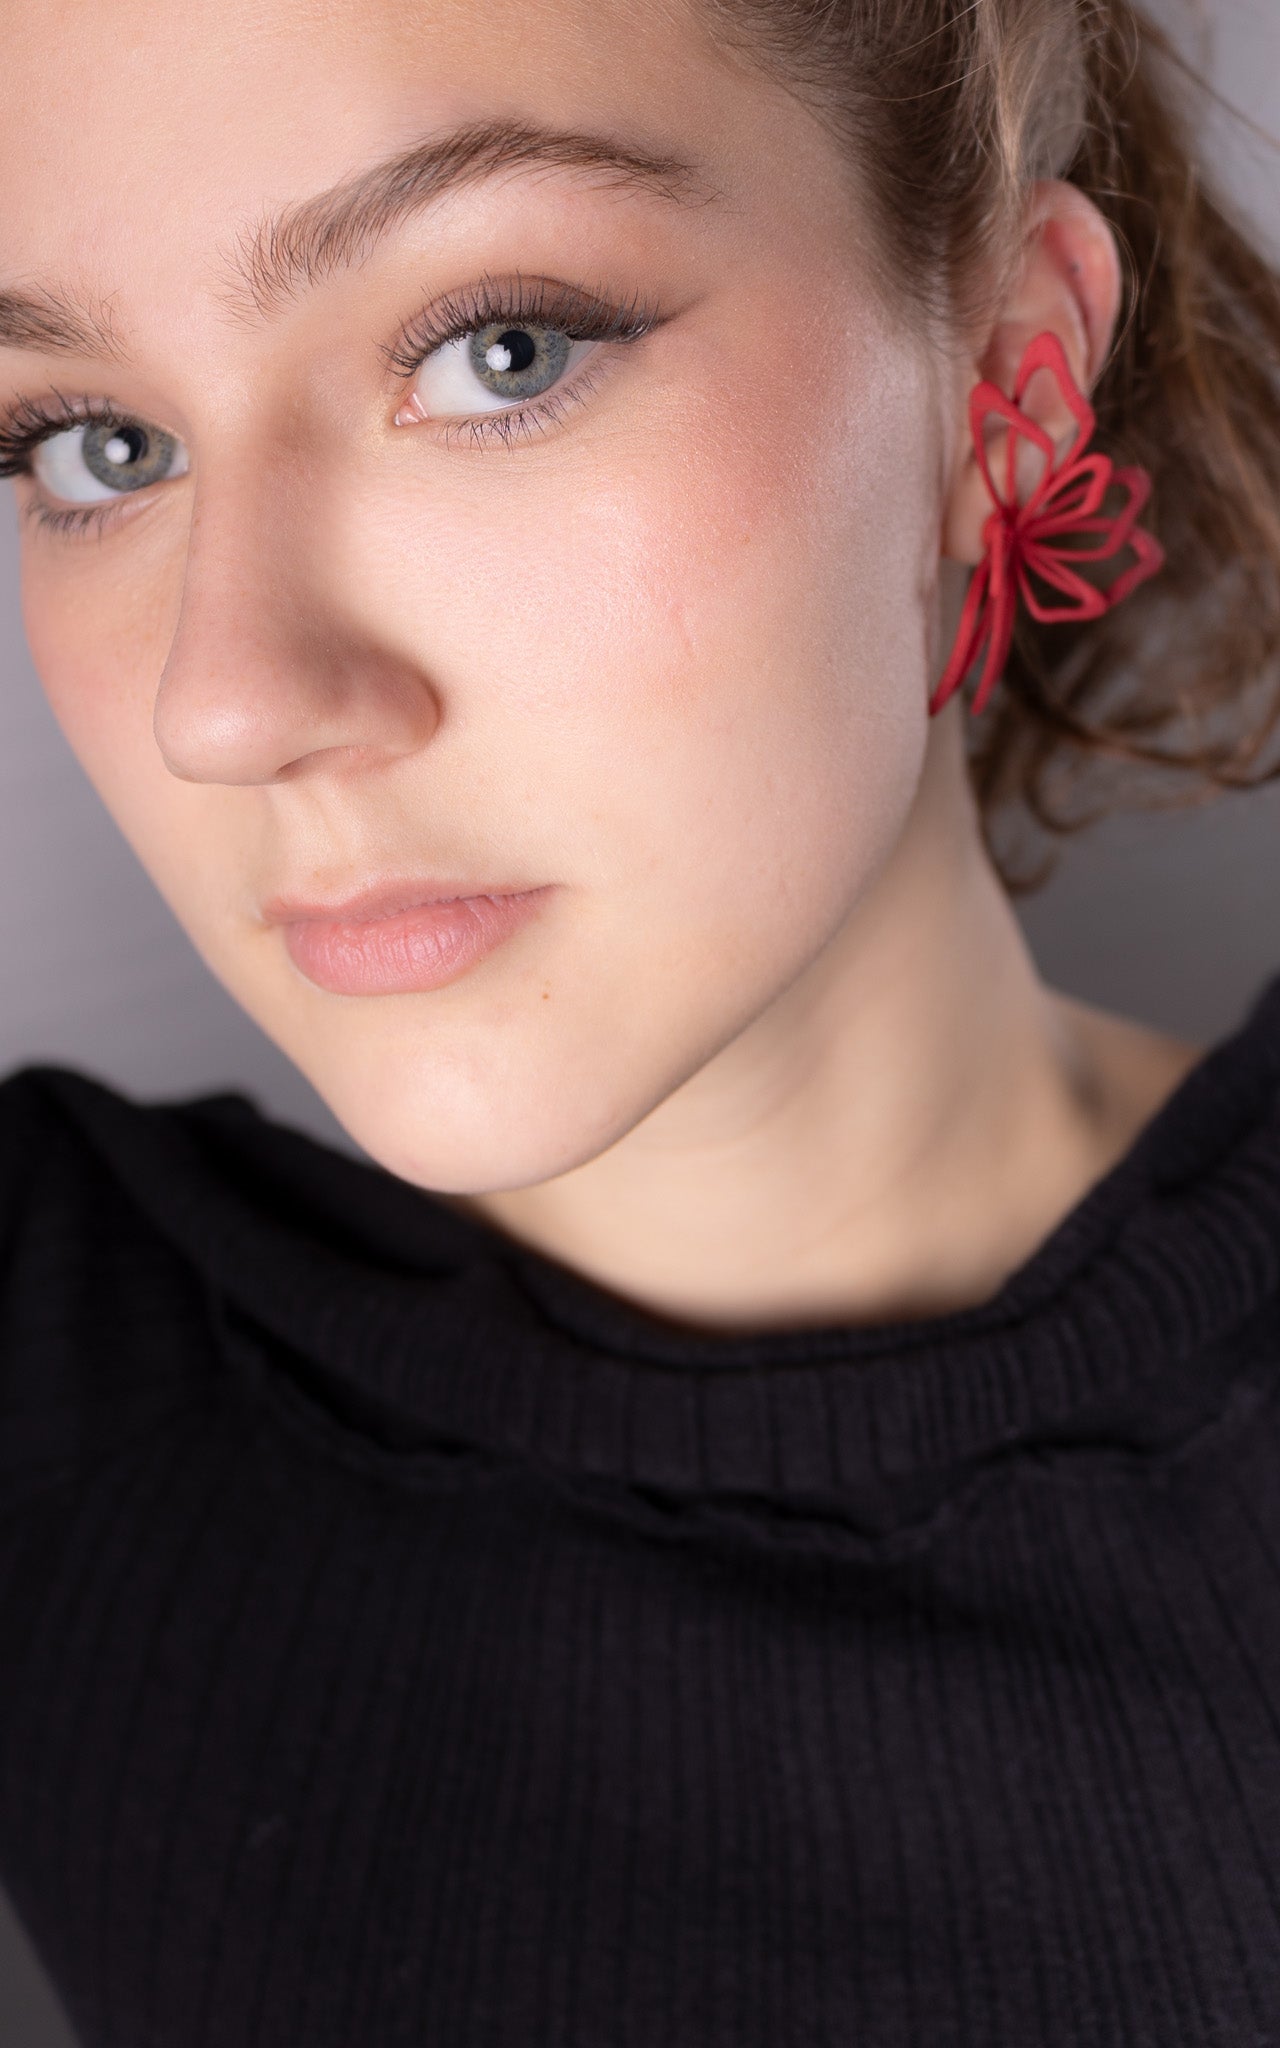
1133 1070
22 1110
28 1126
103 1324
42 1135
1181 1112
61 1203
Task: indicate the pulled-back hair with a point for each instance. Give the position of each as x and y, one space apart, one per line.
949 110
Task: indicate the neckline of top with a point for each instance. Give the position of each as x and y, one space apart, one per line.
1129 1323
1198 1123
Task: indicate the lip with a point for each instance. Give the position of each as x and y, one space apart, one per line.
421 946
384 899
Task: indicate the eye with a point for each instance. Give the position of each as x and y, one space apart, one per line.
99 460
498 365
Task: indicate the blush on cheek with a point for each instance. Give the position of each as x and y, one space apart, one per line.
804 463
792 591
786 527
732 659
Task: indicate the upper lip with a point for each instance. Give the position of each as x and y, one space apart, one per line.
380 899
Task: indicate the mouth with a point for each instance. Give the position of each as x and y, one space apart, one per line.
386 899
406 950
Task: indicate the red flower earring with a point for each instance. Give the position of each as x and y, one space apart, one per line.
1018 538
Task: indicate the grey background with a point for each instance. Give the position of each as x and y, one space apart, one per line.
1171 918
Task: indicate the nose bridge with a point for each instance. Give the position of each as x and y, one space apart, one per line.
275 656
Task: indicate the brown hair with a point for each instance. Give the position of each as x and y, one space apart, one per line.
949 110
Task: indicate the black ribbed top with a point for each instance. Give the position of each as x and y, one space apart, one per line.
403 1639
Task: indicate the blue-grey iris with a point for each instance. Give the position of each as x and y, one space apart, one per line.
518 362
127 457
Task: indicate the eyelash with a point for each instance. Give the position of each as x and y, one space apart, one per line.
582 316
26 423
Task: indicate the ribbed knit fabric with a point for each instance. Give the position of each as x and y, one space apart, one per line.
405 1641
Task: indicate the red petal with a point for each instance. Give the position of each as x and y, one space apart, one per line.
1055 569
986 399
1047 353
1001 628
1117 531
974 624
1039 537
1138 484
1151 559
1077 493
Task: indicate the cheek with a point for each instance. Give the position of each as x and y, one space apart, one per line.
710 708
99 636
98 640
727 627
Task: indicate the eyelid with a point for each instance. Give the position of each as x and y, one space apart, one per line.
411 412
508 423
77 519
591 314
582 315
27 423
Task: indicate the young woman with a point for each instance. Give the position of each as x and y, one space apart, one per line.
749 1521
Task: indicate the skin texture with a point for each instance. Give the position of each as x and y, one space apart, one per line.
774 1052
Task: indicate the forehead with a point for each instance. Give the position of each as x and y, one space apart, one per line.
129 123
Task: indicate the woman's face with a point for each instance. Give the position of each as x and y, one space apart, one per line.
651 629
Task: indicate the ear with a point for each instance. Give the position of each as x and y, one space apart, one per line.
1069 284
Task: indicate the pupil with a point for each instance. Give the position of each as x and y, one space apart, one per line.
124 446
520 348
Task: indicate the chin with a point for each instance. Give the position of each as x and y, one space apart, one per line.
477 1135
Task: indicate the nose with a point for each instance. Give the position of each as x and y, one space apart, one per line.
282 653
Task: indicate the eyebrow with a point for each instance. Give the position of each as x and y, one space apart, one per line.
288 253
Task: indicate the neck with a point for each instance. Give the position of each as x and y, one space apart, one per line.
891 1138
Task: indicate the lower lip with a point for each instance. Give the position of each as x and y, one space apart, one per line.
415 950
